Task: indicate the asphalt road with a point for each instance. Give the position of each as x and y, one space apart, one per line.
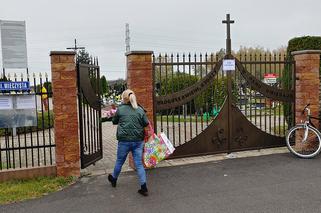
273 183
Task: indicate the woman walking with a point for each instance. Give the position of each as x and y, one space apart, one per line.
131 120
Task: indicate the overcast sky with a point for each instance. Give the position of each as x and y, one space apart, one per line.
169 26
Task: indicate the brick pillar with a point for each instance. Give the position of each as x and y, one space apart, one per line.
64 87
140 80
307 85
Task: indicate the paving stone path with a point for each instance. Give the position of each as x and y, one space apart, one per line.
106 164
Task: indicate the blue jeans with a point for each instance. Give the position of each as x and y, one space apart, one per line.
124 147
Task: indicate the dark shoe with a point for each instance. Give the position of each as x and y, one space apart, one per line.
143 191
112 180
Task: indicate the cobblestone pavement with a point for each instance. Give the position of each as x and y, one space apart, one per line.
178 133
106 165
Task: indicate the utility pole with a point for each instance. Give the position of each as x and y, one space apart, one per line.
75 48
127 40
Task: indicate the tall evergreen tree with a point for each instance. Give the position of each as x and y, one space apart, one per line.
104 89
83 57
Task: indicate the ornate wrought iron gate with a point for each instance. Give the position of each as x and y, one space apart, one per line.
205 110
89 104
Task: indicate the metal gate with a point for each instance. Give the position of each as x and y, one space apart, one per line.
28 146
89 105
205 110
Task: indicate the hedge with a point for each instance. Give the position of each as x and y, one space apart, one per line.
297 44
304 43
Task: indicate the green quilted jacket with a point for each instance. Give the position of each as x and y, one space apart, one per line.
131 123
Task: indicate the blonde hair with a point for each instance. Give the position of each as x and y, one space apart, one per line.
129 96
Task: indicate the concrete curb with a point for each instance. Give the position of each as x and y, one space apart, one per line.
223 156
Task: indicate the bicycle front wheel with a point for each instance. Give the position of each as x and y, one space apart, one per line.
303 141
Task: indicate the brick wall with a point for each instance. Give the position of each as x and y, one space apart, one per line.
320 93
64 87
140 79
27 173
307 86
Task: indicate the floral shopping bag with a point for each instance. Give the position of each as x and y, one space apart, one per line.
156 148
154 151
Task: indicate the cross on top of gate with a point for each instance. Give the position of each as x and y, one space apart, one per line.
228 22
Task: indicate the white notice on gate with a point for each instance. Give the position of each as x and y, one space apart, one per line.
5 102
228 64
26 102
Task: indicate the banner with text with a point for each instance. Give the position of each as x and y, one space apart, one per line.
13 44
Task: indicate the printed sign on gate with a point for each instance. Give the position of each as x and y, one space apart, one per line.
228 64
14 85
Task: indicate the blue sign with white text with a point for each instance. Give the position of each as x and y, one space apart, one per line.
14 85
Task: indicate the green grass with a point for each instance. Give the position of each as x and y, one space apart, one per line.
4 166
18 190
278 111
47 121
258 112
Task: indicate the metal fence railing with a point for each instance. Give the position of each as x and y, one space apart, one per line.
174 73
270 115
28 144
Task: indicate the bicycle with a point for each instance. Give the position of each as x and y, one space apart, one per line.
304 139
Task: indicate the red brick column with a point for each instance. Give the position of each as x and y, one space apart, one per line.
64 87
307 85
140 80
